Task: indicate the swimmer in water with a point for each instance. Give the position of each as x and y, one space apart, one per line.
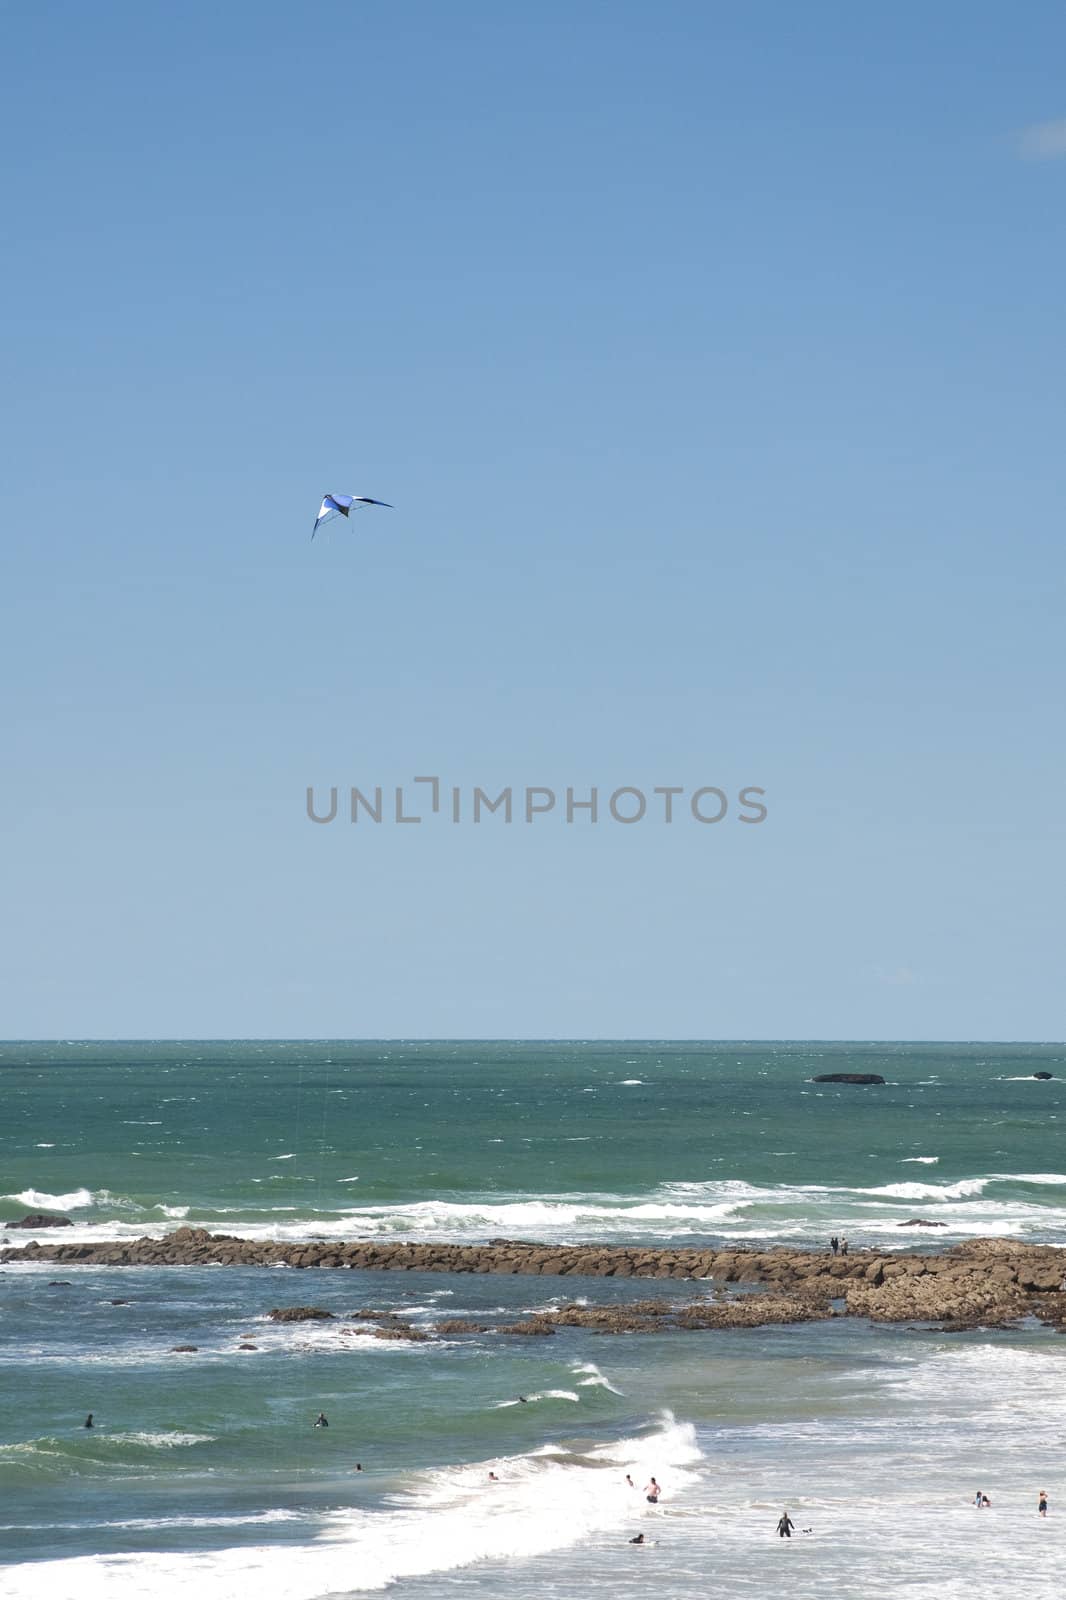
523 1400
493 1478
630 1482
638 1540
1041 1503
652 1492
321 1421
88 1421
785 1526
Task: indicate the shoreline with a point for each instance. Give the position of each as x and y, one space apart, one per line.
982 1282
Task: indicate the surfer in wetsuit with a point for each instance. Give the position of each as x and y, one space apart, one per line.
88 1421
638 1540
785 1526
321 1421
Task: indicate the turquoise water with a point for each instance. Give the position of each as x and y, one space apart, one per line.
205 1467
539 1140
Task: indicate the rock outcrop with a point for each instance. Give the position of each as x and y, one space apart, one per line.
984 1281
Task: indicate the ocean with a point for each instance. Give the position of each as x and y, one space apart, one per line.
204 1467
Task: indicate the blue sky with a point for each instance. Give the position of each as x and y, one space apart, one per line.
712 358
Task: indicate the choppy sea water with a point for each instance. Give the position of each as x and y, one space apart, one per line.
204 1466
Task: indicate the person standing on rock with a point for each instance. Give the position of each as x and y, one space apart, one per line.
785 1526
834 1244
843 1247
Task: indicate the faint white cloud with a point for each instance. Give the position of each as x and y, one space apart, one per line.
1044 141
896 975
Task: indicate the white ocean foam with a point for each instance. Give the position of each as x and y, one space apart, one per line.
714 1208
593 1379
543 1394
75 1200
337 1335
1055 1179
929 1191
150 1523
925 1161
449 1519
158 1441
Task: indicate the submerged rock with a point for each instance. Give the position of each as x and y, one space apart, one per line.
848 1077
41 1219
921 1222
300 1314
1044 1075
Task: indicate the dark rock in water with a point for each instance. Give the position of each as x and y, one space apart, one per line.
247 1347
183 1349
849 1077
119 1302
41 1219
920 1222
59 1283
1044 1075
300 1314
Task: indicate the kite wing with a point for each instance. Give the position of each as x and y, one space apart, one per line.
333 505
339 505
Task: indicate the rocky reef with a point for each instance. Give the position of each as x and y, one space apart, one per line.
984 1282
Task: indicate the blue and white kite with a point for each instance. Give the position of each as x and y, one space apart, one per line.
339 505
